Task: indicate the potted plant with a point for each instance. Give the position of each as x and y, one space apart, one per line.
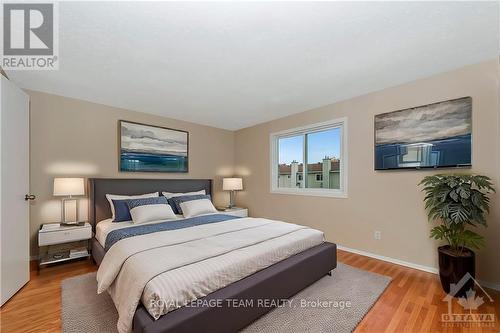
457 202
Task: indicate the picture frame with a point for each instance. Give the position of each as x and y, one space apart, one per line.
431 136
151 148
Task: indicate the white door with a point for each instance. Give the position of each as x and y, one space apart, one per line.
14 181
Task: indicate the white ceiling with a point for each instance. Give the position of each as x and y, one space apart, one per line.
233 65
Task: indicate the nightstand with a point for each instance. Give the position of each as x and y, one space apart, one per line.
54 234
235 211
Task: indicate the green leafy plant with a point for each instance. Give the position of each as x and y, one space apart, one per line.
457 202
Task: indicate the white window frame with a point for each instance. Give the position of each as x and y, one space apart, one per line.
320 192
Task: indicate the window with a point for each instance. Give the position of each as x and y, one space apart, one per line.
310 160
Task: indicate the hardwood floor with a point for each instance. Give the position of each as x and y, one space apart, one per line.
37 306
411 303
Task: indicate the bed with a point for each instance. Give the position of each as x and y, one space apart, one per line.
303 260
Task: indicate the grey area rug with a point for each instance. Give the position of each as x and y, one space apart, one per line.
332 304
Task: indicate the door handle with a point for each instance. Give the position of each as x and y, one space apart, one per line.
29 197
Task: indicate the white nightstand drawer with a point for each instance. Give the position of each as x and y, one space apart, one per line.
236 211
64 235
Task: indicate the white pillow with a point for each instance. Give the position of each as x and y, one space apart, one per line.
149 213
112 197
169 195
197 207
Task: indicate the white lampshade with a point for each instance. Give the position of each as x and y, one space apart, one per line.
232 184
68 186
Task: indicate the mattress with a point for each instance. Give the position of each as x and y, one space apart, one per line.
176 288
169 269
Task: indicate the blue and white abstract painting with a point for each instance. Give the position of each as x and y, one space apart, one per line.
430 136
145 148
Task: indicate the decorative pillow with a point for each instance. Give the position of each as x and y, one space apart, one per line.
132 203
112 197
150 209
171 195
197 207
176 201
121 210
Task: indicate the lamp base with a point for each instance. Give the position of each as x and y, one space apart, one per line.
231 199
69 210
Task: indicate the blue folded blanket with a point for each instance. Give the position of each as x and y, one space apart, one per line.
119 234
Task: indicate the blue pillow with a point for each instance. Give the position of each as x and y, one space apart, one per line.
176 208
171 202
178 200
122 212
123 206
132 203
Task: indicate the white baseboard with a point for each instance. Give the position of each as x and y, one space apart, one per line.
391 260
491 285
428 269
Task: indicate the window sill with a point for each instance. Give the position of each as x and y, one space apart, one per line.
311 192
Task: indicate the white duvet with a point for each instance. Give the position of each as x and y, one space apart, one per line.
170 268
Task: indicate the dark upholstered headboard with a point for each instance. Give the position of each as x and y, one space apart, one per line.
98 188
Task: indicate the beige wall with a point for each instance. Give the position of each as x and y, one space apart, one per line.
76 138
389 201
71 137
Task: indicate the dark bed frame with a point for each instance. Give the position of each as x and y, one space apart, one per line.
268 286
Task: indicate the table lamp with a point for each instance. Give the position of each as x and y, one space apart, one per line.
232 185
68 187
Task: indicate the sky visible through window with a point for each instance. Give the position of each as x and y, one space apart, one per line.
320 144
